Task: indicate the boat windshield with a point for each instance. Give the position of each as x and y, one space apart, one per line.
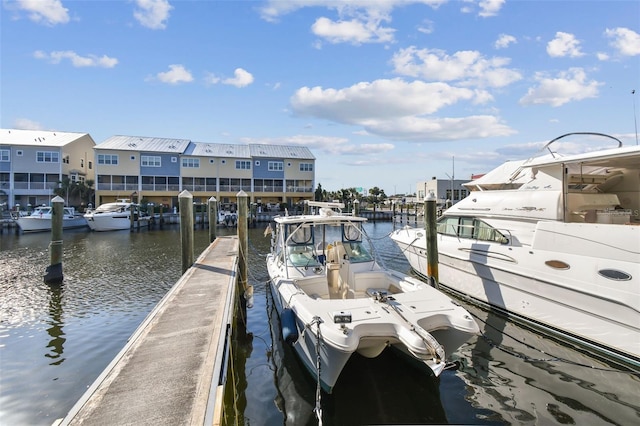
302 255
111 208
357 252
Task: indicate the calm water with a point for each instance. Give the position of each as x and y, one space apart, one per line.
54 342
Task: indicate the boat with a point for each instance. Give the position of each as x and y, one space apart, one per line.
335 299
228 214
116 216
40 219
552 241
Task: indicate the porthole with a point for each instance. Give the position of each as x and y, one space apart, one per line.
614 274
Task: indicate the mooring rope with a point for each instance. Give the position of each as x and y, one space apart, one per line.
318 408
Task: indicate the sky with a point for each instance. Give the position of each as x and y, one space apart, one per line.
385 93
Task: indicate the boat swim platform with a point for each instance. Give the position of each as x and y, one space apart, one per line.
173 368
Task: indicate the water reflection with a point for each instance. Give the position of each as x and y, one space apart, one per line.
56 344
533 379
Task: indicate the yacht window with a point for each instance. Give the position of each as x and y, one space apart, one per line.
448 225
466 227
485 232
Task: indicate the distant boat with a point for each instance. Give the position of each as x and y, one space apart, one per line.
40 219
115 216
334 298
553 241
228 214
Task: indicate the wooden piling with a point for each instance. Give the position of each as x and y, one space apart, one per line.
185 201
213 218
243 243
430 227
53 274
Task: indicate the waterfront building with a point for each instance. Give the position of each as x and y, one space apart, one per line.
35 162
156 170
443 189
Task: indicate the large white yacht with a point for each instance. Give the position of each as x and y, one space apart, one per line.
553 241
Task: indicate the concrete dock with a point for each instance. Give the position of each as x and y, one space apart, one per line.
172 369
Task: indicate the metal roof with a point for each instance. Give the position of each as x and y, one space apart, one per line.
144 144
281 151
45 138
204 149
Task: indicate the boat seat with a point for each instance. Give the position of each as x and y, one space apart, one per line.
336 252
315 287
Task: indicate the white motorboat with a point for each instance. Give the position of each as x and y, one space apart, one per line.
228 216
553 241
116 216
40 219
334 298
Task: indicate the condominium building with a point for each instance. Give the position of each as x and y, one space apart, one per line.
450 190
156 170
35 162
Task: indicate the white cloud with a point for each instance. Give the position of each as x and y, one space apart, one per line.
152 14
358 21
602 56
77 61
177 74
241 78
504 40
327 144
564 44
352 31
490 7
26 124
568 86
420 129
625 41
48 12
466 67
395 109
427 27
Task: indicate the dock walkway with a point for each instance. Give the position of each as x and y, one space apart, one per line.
171 370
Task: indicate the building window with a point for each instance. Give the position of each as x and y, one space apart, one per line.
243 164
150 161
90 165
257 163
47 157
4 155
82 163
212 161
108 159
224 161
174 159
19 153
306 167
276 166
133 157
191 162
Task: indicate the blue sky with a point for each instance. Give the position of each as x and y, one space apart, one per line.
384 93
